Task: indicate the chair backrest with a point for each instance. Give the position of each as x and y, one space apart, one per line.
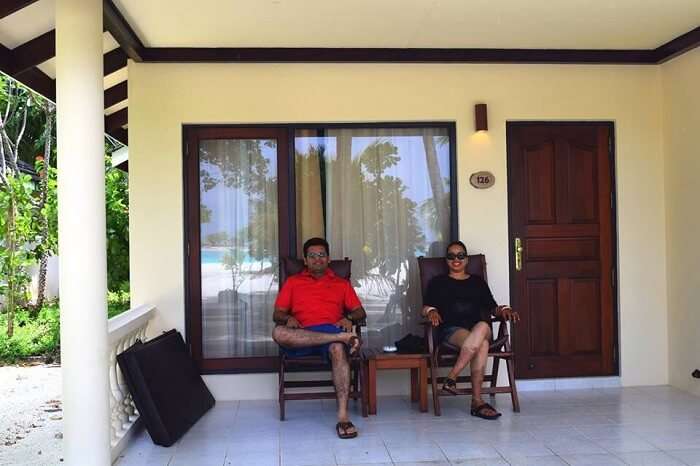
292 265
431 267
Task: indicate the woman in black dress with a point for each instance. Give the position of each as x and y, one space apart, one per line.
461 306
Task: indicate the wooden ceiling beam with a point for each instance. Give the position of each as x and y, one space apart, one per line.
38 81
116 120
34 52
393 55
114 61
121 135
678 46
117 93
7 7
122 32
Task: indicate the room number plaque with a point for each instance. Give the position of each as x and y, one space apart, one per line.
482 180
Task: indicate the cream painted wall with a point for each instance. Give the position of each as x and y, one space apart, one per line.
163 97
681 114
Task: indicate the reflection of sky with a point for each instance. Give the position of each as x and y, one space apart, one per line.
230 206
411 167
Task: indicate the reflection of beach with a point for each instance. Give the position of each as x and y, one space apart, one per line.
216 278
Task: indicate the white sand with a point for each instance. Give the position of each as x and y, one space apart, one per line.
30 415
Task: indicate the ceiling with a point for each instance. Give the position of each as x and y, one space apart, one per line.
163 27
562 24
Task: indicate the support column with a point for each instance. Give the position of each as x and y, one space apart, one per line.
82 232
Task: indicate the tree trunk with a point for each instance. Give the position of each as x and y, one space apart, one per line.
11 273
43 195
434 177
41 292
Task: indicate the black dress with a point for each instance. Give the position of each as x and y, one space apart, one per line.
461 303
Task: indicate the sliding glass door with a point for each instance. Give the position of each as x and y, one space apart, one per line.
380 194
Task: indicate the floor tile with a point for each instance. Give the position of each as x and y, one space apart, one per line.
415 452
652 458
586 426
593 460
690 456
253 458
536 461
482 462
352 453
467 450
574 447
625 445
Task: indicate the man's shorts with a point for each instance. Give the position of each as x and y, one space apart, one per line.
319 350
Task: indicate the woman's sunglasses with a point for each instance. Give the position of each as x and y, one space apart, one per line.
461 256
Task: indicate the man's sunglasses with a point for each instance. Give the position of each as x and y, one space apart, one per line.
461 256
314 255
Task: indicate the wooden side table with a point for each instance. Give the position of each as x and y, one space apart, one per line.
375 359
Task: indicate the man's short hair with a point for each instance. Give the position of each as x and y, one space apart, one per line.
316 242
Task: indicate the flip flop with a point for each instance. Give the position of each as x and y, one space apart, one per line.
450 386
479 412
344 434
354 348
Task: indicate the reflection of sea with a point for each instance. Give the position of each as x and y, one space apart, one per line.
216 256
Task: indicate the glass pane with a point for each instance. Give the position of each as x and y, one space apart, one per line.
380 197
239 247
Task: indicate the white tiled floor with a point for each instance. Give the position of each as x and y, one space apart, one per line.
652 426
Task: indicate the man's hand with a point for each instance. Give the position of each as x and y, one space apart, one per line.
292 323
507 313
434 317
345 324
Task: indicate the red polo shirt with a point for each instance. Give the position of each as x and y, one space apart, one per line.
316 301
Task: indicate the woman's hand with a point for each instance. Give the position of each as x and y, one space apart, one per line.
434 317
507 313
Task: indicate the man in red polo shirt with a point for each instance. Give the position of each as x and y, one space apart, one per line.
310 313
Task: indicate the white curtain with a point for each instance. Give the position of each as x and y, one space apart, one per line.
383 197
239 246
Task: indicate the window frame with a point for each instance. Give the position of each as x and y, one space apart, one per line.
286 191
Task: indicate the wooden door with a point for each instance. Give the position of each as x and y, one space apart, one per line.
561 214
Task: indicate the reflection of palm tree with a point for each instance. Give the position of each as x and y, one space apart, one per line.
434 208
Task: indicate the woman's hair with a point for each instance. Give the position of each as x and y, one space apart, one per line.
456 243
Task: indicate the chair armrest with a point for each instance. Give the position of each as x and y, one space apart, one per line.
428 334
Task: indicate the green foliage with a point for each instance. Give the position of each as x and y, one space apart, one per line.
117 302
17 231
33 336
117 206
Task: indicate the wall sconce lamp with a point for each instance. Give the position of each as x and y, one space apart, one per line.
481 121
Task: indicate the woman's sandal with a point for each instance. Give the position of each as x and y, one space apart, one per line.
450 386
341 429
354 348
479 412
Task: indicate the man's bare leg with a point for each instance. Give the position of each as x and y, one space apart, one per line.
469 344
341 381
301 338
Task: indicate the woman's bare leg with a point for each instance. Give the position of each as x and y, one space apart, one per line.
469 343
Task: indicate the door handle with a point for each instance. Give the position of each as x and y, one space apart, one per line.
518 254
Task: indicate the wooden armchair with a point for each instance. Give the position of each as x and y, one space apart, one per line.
342 268
445 355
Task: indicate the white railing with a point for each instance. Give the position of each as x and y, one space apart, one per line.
124 330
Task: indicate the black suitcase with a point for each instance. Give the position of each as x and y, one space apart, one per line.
167 389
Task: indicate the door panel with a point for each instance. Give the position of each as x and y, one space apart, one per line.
559 191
